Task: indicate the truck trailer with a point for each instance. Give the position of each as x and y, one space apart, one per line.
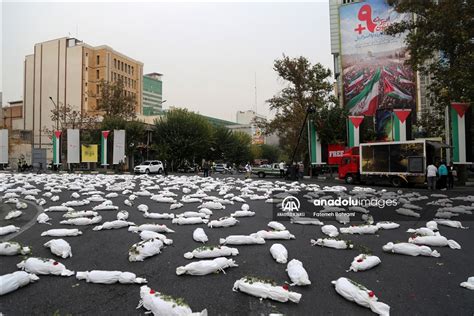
399 163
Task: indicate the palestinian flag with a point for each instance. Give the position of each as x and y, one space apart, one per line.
357 80
388 72
56 148
406 81
354 130
103 148
458 125
314 144
399 124
367 101
391 90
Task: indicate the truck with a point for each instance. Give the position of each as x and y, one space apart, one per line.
399 163
267 170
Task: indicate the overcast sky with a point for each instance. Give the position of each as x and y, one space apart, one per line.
208 52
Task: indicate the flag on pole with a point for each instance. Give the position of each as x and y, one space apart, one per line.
314 144
354 130
73 140
458 126
56 148
391 90
367 101
118 146
399 124
3 146
103 148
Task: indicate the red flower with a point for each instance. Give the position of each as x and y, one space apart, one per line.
360 260
285 287
152 291
371 294
55 263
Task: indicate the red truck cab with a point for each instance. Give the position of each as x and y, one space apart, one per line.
349 166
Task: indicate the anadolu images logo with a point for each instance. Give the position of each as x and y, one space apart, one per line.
290 204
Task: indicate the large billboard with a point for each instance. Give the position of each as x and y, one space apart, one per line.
375 76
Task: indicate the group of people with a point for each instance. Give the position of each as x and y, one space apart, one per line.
295 171
440 176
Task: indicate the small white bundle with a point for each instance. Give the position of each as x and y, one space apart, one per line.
122 215
145 249
159 215
111 195
364 262
12 281
359 294
82 221
432 225
175 206
276 225
59 208
204 267
263 289
21 205
12 248
189 220
146 235
211 252
109 277
241 240
59 247
77 214
332 243
200 236
205 211
245 206
143 208
436 241
242 213
405 248
360 229
4 230
469 284
407 212
105 207
387 225
306 221
342 217
422 231
193 214
116 224
13 214
274 234
297 273
43 218
330 230
279 253
76 203
159 304
62 232
223 222
450 223
44 266
212 205
151 227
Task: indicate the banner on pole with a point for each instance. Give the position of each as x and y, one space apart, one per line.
89 153
57 147
335 153
354 130
119 146
400 117
103 148
73 142
314 145
4 146
458 126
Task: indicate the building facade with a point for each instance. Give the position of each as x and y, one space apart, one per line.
152 94
68 71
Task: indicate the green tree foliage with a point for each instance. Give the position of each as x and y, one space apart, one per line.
114 101
270 152
330 122
305 85
240 151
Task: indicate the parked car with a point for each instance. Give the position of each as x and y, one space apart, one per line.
149 166
267 170
186 169
220 168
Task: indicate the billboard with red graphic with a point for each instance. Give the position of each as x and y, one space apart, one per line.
375 77
335 152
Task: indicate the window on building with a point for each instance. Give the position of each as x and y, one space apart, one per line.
115 62
132 70
87 54
98 59
121 63
85 99
97 74
129 69
97 89
86 84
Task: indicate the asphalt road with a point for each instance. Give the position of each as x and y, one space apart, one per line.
410 285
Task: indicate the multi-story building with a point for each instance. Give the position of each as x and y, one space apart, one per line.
69 71
152 94
247 117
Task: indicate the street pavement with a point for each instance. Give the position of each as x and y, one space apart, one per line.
410 285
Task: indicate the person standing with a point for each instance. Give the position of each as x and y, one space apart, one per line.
282 169
431 172
300 170
248 170
443 176
452 173
205 168
165 167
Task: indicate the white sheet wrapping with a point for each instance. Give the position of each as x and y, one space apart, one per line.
80 214
357 293
436 241
82 221
242 213
204 267
43 218
62 232
159 215
387 225
364 262
297 273
432 225
13 214
241 240
160 304
44 266
212 205
116 224
59 208
469 284
143 208
122 215
450 223
361 229
145 249
405 248
266 290
12 281
274 234
276 225
104 207
59 247
306 221
332 243
205 211
151 227
147 234
223 222
422 231
12 248
211 252
189 220
407 212
109 277
330 230
193 214
279 253
199 235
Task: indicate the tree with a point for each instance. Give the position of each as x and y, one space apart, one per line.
441 44
307 86
270 152
114 101
330 123
240 151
